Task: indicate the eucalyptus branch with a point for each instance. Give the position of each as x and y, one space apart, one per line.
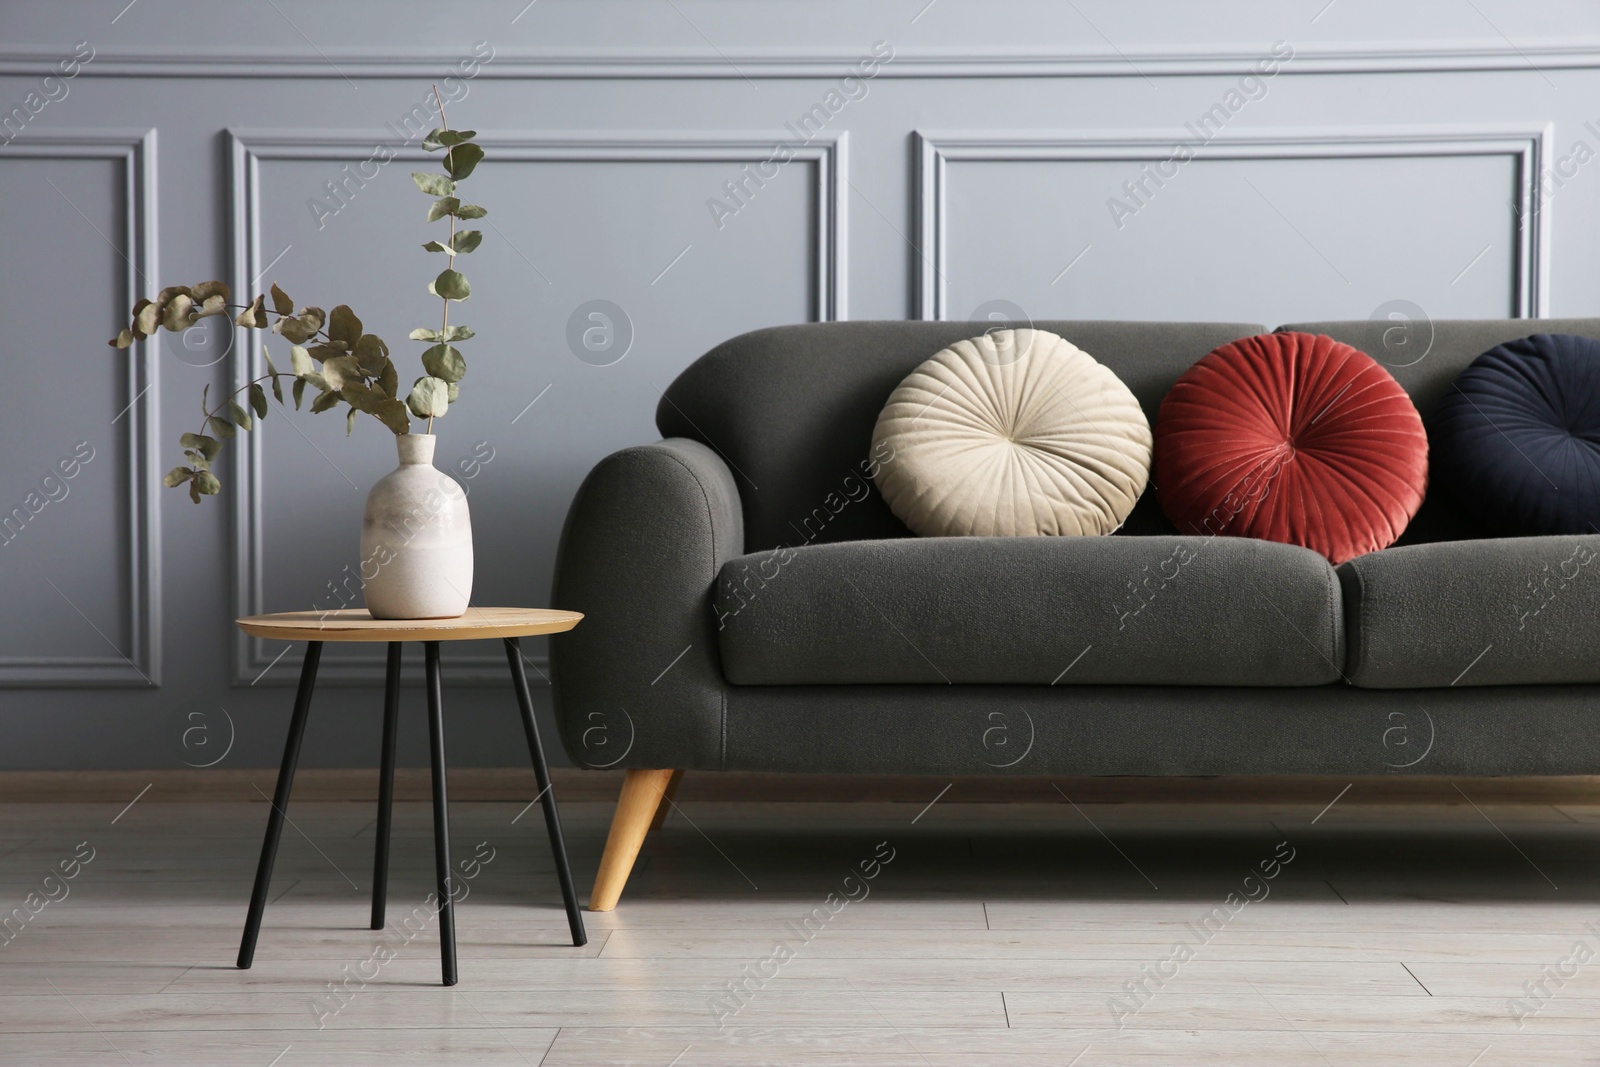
206 416
444 323
216 413
432 394
245 307
328 351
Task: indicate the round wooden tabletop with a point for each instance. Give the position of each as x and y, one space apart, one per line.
355 624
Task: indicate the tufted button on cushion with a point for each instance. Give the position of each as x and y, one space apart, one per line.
1016 433
1291 437
1517 437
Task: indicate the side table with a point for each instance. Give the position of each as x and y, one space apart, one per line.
316 627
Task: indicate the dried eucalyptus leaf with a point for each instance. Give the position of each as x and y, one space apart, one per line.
450 284
467 240
300 361
371 353
444 362
434 246
443 207
462 160
299 391
220 426
252 316
442 138
175 316
339 370
280 301
422 333
176 477
206 446
470 211
134 318
258 400
360 395
429 398
324 401
207 483
457 333
296 329
433 184
123 339
147 320
392 413
343 325
206 290
241 417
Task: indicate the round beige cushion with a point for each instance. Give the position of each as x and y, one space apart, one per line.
1017 433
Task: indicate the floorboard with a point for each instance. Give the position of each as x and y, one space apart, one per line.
1124 931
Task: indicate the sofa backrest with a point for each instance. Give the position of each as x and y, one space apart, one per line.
791 408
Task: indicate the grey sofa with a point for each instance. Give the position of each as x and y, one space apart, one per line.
752 604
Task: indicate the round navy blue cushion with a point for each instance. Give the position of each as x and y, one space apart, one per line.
1516 439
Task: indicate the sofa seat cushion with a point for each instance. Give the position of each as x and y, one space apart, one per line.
1499 611
1157 610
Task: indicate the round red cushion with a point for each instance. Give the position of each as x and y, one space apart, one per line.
1291 437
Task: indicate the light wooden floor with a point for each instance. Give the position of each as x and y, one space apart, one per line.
997 935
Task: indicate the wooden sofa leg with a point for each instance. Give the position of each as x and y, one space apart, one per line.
641 795
667 797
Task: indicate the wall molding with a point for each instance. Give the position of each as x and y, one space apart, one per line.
656 63
135 149
1530 146
827 154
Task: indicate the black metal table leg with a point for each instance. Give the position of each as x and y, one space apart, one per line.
441 814
552 818
280 802
391 729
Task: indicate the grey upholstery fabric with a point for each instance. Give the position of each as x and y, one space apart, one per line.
1500 611
644 539
640 682
1154 730
792 409
1425 359
1032 610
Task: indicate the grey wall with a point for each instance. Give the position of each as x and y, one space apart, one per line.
1384 166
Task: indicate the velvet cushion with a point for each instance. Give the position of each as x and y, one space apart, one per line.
1517 437
1015 433
1291 437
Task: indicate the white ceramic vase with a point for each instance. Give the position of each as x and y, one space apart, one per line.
416 539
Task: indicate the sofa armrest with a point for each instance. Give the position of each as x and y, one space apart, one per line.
639 684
